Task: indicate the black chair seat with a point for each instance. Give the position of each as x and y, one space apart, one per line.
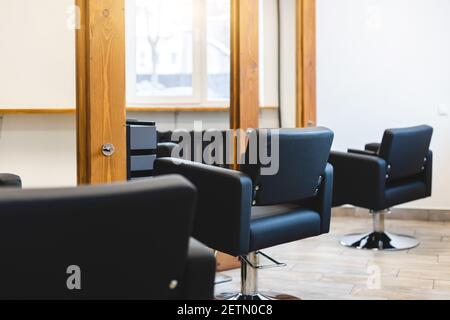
273 225
404 191
270 211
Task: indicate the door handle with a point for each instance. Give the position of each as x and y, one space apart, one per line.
108 150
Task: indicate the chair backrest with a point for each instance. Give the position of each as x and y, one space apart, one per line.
202 146
302 157
129 241
405 150
10 181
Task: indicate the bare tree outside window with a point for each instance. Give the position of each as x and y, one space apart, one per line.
153 24
164 47
180 51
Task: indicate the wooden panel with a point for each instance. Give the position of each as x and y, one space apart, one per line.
101 114
306 63
244 111
82 69
226 262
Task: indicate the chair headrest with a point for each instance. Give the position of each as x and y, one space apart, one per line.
405 150
298 161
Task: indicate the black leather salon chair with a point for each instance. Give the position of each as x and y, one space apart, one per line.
10 181
122 241
242 213
397 171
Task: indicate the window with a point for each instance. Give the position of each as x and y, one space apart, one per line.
218 50
178 52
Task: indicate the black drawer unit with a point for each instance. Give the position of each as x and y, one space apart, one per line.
141 149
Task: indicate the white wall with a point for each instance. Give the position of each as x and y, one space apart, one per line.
37 54
39 148
37 70
383 64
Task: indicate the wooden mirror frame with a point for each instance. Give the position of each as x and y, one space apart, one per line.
306 63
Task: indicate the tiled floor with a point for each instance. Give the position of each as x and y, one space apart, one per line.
320 268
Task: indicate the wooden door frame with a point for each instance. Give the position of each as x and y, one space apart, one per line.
244 99
101 112
306 64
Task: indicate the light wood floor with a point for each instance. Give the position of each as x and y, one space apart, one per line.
320 268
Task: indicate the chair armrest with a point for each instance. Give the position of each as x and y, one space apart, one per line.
222 218
374 147
359 180
200 272
10 181
324 200
165 149
363 152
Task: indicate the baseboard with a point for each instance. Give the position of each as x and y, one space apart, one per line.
397 214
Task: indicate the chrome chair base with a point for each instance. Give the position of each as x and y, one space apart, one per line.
262 296
249 281
380 241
